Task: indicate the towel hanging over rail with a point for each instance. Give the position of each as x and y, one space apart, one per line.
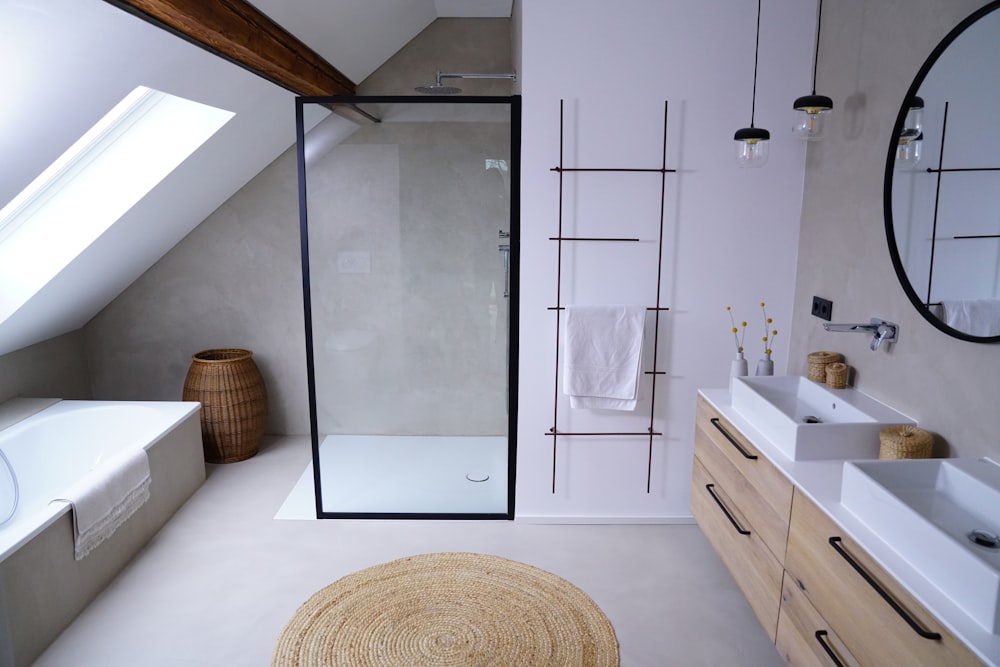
603 350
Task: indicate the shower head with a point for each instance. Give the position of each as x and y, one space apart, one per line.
437 88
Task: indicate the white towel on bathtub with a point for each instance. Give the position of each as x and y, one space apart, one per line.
106 497
603 353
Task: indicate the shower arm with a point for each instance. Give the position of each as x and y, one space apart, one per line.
470 75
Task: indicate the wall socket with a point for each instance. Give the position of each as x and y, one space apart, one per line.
822 308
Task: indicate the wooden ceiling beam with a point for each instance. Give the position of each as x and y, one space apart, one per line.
237 31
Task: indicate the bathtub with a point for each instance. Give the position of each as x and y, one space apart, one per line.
42 586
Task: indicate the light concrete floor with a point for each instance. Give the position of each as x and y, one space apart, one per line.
217 584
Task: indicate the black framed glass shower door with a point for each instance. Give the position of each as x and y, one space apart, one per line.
409 229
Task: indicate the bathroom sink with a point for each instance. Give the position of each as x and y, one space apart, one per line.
810 421
941 516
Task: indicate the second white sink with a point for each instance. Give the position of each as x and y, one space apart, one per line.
810 421
941 516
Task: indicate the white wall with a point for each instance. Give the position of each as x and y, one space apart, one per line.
731 234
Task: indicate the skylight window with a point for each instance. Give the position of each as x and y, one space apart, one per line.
90 186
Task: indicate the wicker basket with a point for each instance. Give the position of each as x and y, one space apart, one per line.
836 375
233 400
905 442
818 362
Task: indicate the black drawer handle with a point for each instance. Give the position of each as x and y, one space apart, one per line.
718 501
737 445
835 543
820 634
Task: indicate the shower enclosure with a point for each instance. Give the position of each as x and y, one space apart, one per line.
409 231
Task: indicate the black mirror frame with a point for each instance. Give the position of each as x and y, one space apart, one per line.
890 234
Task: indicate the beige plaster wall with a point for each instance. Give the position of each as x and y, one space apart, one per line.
409 320
235 281
870 51
55 368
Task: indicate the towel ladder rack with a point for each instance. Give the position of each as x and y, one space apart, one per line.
559 238
941 169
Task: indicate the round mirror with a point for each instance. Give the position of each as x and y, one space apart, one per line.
942 183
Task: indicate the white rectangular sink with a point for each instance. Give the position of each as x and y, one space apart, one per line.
928 511
810 421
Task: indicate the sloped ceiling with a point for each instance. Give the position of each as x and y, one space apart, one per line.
70 61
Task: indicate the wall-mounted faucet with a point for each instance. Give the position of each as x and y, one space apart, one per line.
882 331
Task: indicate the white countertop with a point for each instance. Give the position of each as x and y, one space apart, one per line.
820 481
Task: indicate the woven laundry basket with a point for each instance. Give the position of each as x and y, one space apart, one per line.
233 400
905 442
818 362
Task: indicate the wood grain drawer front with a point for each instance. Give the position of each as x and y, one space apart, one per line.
756 571
757 488
877 620
804 638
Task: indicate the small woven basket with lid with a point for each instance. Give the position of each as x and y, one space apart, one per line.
905 442
836 375
818 362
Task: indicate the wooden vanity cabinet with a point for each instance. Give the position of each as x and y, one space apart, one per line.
742 503
862 605
799 572
804 637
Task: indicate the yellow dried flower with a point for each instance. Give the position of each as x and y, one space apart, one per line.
768 335
737 336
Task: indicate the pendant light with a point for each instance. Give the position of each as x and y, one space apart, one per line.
911 137
752 143
811 110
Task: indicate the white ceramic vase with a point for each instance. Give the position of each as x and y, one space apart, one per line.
737 368
765 366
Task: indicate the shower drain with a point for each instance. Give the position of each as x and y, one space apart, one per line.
985 538
477 477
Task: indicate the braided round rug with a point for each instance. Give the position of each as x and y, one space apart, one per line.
444 610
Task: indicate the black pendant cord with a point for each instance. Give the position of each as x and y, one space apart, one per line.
756 52
819 27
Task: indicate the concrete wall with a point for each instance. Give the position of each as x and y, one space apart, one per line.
409 319
870 52
235 281
54 368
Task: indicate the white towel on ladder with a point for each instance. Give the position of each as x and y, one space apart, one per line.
602 353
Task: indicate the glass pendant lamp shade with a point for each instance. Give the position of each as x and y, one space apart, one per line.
811 110
908 151
913 124
753 143
752 146
810 116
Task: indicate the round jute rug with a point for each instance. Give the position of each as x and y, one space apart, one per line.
448 609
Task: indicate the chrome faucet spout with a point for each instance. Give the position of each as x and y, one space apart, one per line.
882 331
864 328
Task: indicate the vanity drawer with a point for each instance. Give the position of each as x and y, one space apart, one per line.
752 565
756 487
804 637
821 561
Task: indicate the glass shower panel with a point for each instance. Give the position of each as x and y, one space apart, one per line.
407 260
